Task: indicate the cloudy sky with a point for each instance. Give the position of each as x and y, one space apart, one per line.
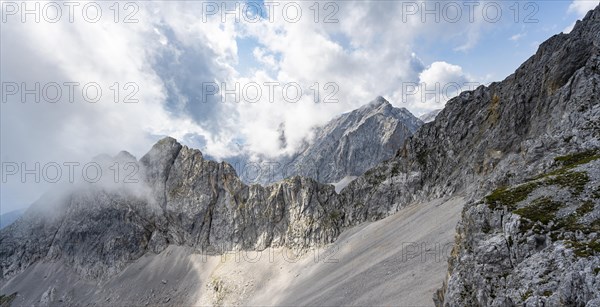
100 77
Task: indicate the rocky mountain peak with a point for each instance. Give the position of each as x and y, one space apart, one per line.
379 100
378 105
125 156
353 142
162 152
530 143
345 147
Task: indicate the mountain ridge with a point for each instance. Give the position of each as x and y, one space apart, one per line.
494 136
348 145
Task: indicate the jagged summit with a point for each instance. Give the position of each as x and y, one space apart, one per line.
380 99
537 131
348 145
167 143
124 156
383 106
353 142
377 102
345 147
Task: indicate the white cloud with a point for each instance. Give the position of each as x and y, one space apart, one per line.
569 28
517 37
581 7
368 53
442 72
103 53
171 51
438 83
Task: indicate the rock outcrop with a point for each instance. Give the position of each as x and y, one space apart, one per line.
501 134
534 240
534 244
195 202
497 136
181 198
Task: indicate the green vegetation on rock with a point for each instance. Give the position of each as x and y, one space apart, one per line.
573 160
526 295
540 214
510 197
576 181
584 249
541 210
6 300
585 208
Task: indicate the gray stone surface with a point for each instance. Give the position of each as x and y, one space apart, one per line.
348 145
379 263
541 251
354 142
536 244
184 199
196 203
500 135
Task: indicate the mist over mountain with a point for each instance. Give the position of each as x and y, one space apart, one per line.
430 116
345 147
516 165
9 217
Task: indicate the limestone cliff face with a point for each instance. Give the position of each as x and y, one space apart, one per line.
534 240
185 199
181 199
207 205
504 135
534 244
501 135
195 202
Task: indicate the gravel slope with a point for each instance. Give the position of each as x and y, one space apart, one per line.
373 264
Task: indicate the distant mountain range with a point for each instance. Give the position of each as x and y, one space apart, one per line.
9 217
344 148
515 163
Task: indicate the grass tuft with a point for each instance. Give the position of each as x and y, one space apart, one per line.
510 197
